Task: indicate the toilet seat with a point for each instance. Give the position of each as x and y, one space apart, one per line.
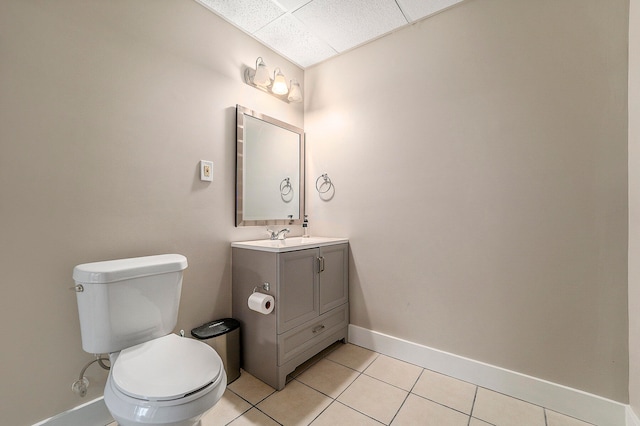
166 369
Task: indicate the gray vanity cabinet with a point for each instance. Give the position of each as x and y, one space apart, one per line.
310 288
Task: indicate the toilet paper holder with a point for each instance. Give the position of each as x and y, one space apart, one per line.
265 287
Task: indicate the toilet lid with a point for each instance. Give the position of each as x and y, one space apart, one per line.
166 368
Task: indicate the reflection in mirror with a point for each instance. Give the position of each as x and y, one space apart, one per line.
269 170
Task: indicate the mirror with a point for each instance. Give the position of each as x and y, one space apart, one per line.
269 170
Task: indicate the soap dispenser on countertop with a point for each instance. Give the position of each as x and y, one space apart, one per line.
305 227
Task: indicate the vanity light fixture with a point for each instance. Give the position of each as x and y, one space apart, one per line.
260 78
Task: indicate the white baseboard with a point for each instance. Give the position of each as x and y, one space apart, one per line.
92 413
572 402
632 418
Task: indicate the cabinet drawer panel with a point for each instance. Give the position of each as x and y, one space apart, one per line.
297 340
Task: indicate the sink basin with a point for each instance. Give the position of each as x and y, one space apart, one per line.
288 244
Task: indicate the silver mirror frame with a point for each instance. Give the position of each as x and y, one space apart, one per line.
241 112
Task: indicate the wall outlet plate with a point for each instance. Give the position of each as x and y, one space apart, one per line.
206 170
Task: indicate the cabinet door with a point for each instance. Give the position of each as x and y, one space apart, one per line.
297 289
334 279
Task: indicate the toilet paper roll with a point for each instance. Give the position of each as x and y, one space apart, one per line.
261 302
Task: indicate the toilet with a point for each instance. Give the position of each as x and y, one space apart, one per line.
128 309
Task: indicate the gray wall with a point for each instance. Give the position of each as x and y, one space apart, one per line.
480 165
106 108
634 205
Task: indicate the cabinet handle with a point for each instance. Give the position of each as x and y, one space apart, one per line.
317 328
320 264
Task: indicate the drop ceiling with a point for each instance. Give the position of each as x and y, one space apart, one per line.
308 32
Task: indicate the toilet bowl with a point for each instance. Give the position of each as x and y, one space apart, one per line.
168 381
128 309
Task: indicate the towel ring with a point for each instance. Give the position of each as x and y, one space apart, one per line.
326 182
285 186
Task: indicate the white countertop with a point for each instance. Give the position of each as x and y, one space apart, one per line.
288 244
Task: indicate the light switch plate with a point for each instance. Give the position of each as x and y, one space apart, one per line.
206 170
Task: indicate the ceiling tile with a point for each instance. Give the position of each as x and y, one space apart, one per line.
418 9
248 15
291 5
310 31
290 37
347 23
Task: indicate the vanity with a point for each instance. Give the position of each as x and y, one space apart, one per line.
308 278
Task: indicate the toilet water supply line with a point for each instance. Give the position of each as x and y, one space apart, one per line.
81 385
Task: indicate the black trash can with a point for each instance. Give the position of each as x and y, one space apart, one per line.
224 336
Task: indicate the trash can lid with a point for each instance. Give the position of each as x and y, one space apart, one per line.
215 328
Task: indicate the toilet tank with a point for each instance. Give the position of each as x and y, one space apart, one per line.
128 301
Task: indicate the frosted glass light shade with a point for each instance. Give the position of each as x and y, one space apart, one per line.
261 77
295 93
279 83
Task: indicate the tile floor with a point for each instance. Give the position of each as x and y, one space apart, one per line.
350 385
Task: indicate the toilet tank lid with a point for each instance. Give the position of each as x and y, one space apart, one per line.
123 269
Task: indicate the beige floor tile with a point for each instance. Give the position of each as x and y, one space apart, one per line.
476 422
419 411
502 410
296 404
393 371
229 407
353 356
557 419
254 417
328 377
446 390
250 388
374 398
339 414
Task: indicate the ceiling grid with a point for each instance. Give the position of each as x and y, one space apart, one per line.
310 31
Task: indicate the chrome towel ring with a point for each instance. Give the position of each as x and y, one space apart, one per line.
324 186
285 186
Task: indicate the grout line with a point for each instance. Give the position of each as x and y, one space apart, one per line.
342 365
484 421
400 408
382 381
417 380
441 404
325 409
238 416
358 411
517 399
473 404
546 422
267 415
240 396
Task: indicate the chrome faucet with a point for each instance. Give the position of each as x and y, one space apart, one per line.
276 235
